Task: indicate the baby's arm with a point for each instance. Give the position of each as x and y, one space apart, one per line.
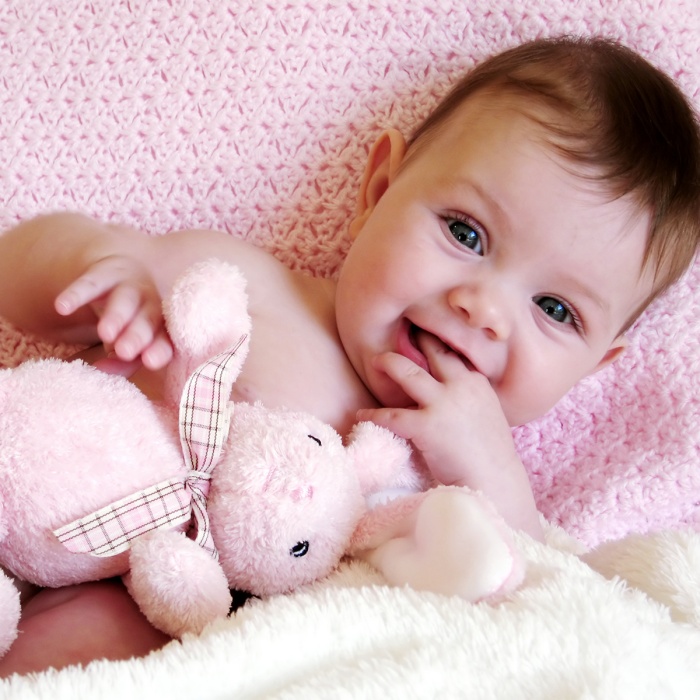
75 279
459 428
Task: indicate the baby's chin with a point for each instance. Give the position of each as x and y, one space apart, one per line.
518 416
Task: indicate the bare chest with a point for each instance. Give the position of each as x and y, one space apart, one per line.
296 361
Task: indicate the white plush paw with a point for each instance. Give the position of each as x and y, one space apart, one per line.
453 544
9 612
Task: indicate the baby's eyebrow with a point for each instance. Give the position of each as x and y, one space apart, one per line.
581 289
496 210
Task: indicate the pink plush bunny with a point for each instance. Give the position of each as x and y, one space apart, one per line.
95 481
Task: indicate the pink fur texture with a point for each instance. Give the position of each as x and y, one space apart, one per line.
283 502
255 118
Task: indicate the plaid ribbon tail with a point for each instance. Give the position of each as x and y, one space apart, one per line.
205 411
109 531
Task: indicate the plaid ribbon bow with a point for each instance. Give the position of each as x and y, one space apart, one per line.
205 412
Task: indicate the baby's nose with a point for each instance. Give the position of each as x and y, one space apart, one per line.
483 307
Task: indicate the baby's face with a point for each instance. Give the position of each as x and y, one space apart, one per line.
486 241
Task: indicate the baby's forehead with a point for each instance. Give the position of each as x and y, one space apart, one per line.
524 120
534 119
497 118
453 140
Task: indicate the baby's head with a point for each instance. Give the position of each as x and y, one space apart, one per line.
539 209
609 113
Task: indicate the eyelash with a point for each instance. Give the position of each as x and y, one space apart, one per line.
575 316
472 224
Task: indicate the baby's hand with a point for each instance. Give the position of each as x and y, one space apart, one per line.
458 424
459 428
123 295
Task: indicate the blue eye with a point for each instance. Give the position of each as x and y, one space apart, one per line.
466 235
555 310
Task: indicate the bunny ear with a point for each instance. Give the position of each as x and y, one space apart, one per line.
207 309
205 408
205 313
205 417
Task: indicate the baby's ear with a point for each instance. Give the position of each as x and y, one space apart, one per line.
385 158
617 347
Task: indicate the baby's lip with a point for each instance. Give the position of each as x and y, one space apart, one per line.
407 344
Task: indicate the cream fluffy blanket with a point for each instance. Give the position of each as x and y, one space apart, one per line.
255 118
568 633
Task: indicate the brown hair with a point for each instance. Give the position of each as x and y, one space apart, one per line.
613 111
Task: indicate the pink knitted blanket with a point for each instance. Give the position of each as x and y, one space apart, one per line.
255 118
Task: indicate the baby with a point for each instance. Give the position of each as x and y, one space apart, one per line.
498 257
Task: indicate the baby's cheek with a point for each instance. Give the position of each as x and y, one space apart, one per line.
527 399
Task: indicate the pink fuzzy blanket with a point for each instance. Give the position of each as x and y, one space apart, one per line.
255 118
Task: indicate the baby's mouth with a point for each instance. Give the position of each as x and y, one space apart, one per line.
413 331
420 359
414 334
408 344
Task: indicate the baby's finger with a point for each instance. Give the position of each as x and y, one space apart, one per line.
401 421
136 337
159 353
120 309
99 279
418 384
79 293
444 363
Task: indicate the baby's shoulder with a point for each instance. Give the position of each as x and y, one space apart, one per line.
268 280
181 249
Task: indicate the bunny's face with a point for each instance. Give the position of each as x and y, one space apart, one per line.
284 501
